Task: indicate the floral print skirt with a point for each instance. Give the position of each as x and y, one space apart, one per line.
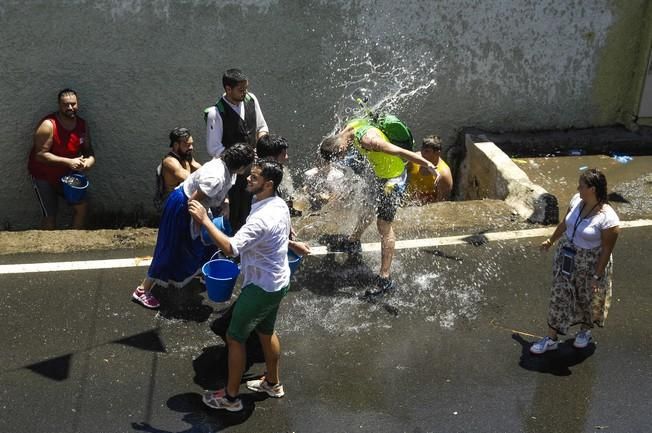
572 299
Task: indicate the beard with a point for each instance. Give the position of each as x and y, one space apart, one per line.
253 190
186 156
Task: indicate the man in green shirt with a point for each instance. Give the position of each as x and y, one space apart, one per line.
388 163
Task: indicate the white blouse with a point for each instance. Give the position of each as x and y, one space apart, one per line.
588 233
213 179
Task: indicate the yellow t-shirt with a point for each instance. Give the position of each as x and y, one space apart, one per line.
423 185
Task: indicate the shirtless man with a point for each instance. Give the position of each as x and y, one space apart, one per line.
179 162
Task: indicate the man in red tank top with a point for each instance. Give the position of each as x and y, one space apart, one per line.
62 145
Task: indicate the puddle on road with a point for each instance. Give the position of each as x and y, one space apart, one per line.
632 181
451 291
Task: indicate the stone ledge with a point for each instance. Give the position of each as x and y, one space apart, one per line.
487 172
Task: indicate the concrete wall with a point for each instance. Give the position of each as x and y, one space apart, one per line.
142 67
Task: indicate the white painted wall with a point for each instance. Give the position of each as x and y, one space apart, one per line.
144 67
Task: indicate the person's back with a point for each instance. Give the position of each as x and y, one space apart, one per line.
385 166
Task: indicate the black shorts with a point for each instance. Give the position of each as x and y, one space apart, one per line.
389 196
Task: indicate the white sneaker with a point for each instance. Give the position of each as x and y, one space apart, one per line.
543 345
218 400
261 385
582 339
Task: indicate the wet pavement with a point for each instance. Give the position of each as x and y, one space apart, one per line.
447 352
630 182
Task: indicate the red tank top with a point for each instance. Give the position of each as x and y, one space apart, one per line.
65 143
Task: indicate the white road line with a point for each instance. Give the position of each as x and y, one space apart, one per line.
316 251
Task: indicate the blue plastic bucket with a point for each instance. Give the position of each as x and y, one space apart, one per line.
73 193
220 276
222 225
294 260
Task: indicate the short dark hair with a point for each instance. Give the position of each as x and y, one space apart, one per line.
232 77
432 142
270 145
179 134
65 91
237 156
329 148
270 170
595 178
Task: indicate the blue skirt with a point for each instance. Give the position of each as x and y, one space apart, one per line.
177 257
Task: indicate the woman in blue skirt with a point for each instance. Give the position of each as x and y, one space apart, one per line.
179 252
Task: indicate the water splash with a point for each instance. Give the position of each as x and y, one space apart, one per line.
385 59
386 86
448 293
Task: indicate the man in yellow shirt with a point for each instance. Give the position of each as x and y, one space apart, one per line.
422 187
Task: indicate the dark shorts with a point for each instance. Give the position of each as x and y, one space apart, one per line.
47 196
255 309
388 199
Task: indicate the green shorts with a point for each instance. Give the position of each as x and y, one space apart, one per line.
255 309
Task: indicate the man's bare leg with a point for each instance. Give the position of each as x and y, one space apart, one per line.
272 351
79 216
237 360
48 223
387 245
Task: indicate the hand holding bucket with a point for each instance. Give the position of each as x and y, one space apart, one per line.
222 225
220 276
294 260
74 187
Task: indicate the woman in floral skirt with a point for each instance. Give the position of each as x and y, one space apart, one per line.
582 267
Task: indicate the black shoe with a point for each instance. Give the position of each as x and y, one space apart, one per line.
382 286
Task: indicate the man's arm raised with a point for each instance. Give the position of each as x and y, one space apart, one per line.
373 141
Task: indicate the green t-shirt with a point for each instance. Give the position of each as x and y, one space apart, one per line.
385 166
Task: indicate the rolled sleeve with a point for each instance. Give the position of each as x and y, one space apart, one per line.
261 124
214 133
248 235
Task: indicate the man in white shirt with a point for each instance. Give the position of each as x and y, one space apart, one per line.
235 118
262 244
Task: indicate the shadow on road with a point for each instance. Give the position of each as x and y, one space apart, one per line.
200 417
184 303
556 362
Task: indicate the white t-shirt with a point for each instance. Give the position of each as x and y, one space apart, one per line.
262 244
214 126
588 234
213 179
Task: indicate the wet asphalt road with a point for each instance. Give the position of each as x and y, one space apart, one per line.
447 352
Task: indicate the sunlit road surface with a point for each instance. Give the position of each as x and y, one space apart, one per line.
447 352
